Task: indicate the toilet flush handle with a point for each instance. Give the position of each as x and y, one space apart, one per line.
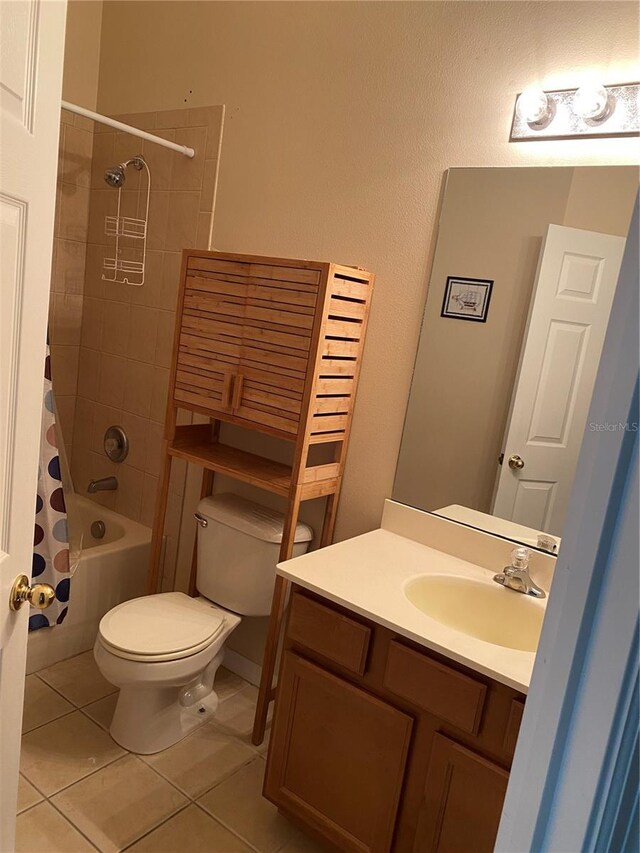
202 521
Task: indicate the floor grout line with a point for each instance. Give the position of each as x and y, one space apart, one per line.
77 828
228 828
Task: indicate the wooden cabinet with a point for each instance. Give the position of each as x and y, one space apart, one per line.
380 745
463 797
339 757
255 334
273 345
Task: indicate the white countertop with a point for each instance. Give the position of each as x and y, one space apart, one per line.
367 575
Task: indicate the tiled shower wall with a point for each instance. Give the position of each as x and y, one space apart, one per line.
112 342
68 265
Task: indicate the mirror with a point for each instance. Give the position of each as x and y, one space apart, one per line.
521 287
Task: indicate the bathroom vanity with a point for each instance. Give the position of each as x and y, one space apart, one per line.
393 730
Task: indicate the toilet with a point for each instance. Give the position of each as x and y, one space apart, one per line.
163 651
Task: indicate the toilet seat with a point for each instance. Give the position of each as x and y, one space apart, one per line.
163 627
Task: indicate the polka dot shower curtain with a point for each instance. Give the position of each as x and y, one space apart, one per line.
51 534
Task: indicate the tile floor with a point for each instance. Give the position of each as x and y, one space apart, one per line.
79 791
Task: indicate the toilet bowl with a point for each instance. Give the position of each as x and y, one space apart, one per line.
163 651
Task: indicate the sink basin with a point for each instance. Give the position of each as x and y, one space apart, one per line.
483 610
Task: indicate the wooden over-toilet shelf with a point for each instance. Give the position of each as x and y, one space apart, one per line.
273 345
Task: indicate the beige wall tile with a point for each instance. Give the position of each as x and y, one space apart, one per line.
187 172
143 333
183 221
149 492
172 118
115 330
161 161
153 459
66 409
173 515
171 266
158 404
89 373
143 121
84 424
69 266
93 283
158 217
150 292
164 343
138 392
113 373
208 185
103 203
137 430
203 235
92 322
83 123
66 327
74 214
129 494
64 369
76 160
169 564
103 156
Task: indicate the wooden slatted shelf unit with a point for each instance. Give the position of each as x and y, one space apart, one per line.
273 345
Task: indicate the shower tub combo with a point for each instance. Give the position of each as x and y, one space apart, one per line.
111 569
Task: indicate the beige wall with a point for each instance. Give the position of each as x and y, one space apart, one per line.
342 118
491 226
82 52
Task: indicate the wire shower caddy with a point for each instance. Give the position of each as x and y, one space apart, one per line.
127 266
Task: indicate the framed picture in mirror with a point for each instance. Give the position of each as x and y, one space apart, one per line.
466 298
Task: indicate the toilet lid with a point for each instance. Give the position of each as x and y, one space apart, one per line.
169 624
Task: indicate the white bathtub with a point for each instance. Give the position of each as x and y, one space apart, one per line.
111 570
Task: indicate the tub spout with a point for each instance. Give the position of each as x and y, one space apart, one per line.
105 484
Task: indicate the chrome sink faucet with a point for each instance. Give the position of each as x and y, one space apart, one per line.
517 577
104 484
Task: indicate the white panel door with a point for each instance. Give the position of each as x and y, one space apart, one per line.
31 58
576 281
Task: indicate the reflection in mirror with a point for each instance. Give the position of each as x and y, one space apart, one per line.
523 278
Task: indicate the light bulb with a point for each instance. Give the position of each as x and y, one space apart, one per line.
591 102
533 106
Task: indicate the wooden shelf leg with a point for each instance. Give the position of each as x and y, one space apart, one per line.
158 521
278 603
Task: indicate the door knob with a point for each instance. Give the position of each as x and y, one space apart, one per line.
40 595
516 462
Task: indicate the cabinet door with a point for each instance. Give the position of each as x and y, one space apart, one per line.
278 324
210 335
463 801
337 757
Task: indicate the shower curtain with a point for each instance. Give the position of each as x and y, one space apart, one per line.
51 562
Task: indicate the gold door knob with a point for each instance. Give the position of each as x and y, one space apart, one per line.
516 462
40 595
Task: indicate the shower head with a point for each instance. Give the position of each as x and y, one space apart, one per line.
114 175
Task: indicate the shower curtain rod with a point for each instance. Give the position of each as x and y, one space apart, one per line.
127 128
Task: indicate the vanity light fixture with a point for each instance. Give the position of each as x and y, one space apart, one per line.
592 110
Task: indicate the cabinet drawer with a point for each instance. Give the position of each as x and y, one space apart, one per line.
336 637
435 688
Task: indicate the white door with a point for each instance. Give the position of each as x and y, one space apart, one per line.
576 281
31 58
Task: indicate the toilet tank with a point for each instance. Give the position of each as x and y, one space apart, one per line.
238 550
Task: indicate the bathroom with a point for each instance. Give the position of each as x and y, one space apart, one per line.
370 134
